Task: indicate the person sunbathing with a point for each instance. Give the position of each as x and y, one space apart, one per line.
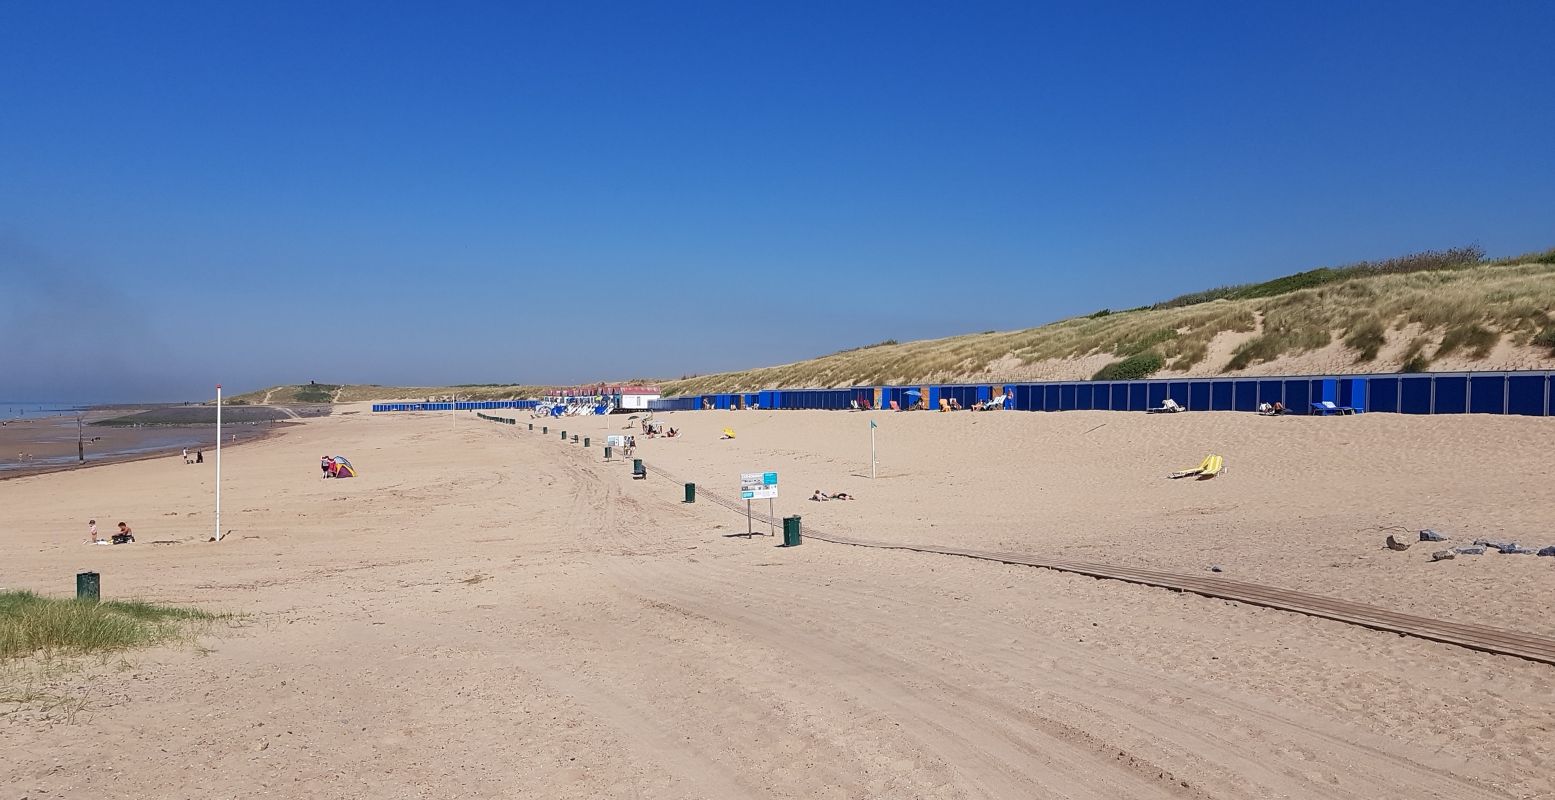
819 495
842 496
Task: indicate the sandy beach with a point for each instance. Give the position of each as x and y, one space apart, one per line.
491 613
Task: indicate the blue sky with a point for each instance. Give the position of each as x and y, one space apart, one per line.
491 192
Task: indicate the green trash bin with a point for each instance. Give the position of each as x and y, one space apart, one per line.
544 429
88 586
531 426
564 436
691 493
585 441
637 469
607 452
791 531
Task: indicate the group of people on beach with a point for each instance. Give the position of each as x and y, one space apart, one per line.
655 429
199 457
123 536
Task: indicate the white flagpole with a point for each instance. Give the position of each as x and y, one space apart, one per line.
871 450
217 535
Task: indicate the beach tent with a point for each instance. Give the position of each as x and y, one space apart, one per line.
340 467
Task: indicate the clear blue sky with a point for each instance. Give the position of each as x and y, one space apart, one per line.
379 192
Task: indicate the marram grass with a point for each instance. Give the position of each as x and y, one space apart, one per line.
32 624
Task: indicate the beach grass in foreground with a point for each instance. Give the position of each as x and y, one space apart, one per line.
31 623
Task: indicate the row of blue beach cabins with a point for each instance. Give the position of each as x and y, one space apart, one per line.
480 405
1525 393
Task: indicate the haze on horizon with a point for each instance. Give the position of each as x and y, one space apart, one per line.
197 193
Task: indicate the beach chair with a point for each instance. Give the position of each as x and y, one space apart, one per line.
895 407
1324 408
944 405
1211 466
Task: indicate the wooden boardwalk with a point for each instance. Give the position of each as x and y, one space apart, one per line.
1475 637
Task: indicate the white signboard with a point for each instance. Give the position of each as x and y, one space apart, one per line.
614 440
758 485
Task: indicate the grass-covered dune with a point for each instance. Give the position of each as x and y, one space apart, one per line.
357 393
1428 311
1439 310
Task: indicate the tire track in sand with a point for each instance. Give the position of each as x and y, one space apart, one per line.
1216 737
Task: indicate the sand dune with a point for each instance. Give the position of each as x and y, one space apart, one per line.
487 612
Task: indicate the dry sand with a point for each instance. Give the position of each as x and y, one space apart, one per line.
489 613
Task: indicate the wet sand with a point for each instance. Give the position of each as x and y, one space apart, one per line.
48 444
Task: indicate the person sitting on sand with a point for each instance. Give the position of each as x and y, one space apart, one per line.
125 535
1277 409
819 495
672 434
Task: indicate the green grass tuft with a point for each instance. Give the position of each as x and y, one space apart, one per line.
1367 339
31 623
1139 365
1475 338
1143 343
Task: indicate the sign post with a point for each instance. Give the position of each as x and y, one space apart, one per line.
758 486
872 427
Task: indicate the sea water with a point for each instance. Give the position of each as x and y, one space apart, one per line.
19 409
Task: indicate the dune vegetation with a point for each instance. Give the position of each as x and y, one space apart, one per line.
357 393
1440 309
1435 310
31 623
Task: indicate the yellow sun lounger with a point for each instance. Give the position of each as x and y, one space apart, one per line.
1208 468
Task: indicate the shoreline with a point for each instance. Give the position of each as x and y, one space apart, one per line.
162 452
